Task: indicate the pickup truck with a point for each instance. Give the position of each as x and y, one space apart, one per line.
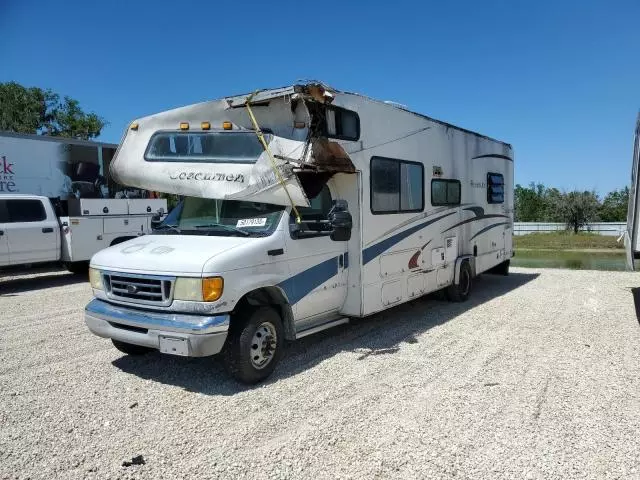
35 230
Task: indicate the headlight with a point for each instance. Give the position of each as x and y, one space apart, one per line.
198 289
95 279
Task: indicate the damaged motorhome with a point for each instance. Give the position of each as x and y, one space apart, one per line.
303 206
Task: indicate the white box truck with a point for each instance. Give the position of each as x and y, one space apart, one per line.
56 205
304 206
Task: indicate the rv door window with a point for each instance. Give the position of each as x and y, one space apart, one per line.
397 186
206 147
495 188
445 192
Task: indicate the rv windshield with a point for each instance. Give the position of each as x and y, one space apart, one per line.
207 216
206 147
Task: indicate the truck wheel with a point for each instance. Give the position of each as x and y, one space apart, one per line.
77 267
254 345
130 348
461 291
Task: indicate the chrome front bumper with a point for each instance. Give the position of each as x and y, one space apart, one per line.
199 335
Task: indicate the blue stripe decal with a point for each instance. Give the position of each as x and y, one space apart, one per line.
301 284
489 228
373 251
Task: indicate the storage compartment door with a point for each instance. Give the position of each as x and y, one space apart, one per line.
132 225
147 206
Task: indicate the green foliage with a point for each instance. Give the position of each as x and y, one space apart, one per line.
538 203
579 208
614 206
37 111
566 240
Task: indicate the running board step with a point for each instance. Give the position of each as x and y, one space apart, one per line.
324 326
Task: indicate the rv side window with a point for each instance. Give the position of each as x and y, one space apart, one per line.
342 124
25 211
495 188
445 192
397 186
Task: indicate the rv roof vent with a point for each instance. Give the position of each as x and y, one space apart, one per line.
396 104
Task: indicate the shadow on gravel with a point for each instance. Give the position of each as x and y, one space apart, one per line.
37 280
379 334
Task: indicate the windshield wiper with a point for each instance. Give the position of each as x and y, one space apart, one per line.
166 226
226 227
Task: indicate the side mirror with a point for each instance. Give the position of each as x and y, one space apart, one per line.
341 221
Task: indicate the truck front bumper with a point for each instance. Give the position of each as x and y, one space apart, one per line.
176 334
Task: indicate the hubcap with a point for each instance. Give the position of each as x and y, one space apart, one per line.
263 345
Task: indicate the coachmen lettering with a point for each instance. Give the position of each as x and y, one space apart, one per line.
214 177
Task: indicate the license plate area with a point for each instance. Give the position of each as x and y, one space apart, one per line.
174 346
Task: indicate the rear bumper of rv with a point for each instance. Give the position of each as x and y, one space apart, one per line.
174 334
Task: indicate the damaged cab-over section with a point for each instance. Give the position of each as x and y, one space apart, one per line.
214 150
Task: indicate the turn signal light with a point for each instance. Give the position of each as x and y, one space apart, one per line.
134 126
227 125
184 126
212 288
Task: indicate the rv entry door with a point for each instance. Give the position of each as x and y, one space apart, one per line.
318 264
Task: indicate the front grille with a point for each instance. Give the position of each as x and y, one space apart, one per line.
147 290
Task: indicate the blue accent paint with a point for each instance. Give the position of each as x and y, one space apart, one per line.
301 284
473 219
149 319
478 211
373 251
486 229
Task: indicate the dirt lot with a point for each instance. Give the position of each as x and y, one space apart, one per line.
537 376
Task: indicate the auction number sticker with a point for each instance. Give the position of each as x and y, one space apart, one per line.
251 222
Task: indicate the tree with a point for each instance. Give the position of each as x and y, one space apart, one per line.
38 111
529 203
579 208
614 206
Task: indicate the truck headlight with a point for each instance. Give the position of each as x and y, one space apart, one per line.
95 279
198 289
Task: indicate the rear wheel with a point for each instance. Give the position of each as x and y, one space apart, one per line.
77 267
460 292
130 348
254 345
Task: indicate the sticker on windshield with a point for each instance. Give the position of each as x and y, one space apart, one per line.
252 222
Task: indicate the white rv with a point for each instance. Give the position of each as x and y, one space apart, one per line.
632 236
303 206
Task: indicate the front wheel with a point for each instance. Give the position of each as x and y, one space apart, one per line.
460 292
254 345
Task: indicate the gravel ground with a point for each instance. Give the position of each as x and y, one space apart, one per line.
537 376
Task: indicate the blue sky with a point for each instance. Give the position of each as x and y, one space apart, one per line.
559 80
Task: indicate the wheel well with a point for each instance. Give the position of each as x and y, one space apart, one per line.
470 259
273 297
120 240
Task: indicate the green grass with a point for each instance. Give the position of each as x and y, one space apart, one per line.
566 241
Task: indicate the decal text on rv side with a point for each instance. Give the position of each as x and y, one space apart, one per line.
215 177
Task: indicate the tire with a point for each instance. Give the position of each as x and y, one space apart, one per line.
501 268
461 291
254 345
130 348
77 268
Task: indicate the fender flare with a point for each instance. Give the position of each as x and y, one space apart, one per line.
459 261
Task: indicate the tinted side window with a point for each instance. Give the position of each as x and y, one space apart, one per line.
314 218
4 216
25 211
445 192
385 185
495 188
397 186
343 124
